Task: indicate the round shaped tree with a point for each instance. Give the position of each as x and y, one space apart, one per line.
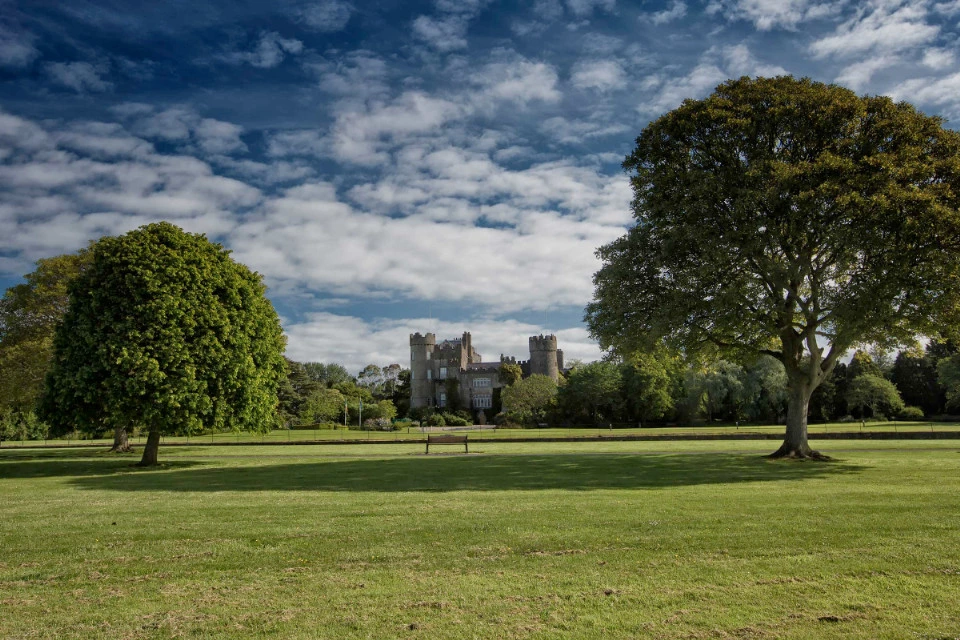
785 217
166 332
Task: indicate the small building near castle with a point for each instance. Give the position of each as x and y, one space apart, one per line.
454 366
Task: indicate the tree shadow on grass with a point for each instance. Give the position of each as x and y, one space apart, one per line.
50 463
468 473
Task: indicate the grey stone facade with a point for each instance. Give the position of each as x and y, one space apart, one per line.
454 366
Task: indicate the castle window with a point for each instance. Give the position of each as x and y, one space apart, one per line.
413 355
443 400
482 402
481 382
429 353
443 373
429 374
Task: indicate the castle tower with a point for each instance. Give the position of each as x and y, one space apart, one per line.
421 361
543 356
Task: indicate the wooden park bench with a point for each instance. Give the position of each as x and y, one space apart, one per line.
447 439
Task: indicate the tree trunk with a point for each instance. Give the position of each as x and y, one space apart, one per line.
795 442
120 442
150 450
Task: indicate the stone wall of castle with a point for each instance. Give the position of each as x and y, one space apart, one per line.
432 364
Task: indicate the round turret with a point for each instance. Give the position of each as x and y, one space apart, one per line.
543 356
421 361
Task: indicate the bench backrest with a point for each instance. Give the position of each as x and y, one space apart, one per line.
446 439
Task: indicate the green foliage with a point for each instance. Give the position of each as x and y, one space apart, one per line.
948 371
452 389
592 393
777 213
165 331
877 394
328 375
454 420
322 405
16 424
509 373
862 364
765 391
436 420
911 413
529 400
651 383
915 375
385 410
29 314
294 390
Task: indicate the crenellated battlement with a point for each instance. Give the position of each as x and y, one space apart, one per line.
543 343
433 365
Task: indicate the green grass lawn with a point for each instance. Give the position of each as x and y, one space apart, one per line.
305 435
518 540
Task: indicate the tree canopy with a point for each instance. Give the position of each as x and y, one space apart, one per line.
529 399
165 331
29 314
790 218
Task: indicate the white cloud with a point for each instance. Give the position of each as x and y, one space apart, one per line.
939 58
183 125
577 131
774 14
16 48
887 26
548 9
676 11
604 75
355 342
942 92
265 173
217 137
357 75
716 65
584 8
443 34
858 75
305 142
270 51
517 80
543 224
328 16
79 76
62 185
365 134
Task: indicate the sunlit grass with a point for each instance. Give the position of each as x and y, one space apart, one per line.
415 434
542 540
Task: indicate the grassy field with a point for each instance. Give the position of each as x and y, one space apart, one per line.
518 540
310 435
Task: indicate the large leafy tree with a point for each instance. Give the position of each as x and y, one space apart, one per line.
165 331
592 392
785 217
651 382
948 370
870 391
528 400
29 314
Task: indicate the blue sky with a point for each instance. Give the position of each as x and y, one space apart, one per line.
392 167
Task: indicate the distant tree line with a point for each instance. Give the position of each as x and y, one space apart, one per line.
657 387
662 388
318 394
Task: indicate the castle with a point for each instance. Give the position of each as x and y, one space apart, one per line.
454 366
